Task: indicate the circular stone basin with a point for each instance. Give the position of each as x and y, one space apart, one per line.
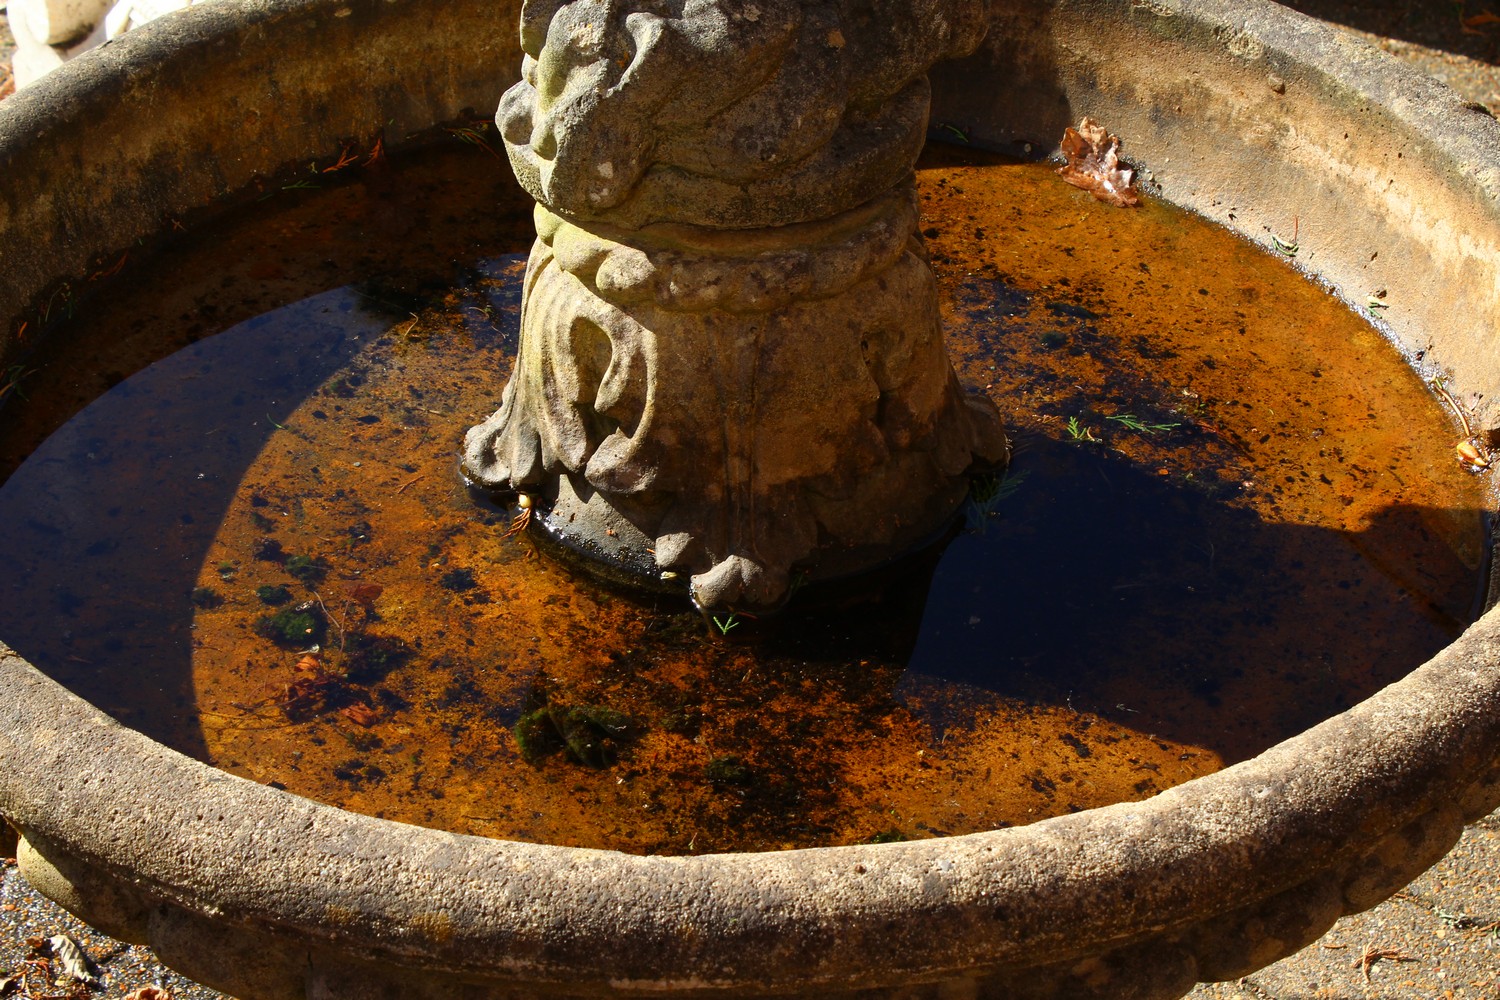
1263 121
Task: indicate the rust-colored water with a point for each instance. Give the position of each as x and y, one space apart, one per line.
1233 512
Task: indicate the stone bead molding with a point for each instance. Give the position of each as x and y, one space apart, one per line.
695 269
268 896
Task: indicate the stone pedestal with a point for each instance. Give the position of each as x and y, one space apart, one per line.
731 366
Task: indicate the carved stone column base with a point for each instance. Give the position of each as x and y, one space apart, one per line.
736 410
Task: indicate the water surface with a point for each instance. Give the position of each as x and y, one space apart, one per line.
1233 512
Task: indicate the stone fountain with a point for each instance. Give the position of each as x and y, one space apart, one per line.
1237 109
732 365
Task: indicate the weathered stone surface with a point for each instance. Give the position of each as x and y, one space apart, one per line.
726 114
730 340
745 408
50 32
1243 940
1401 857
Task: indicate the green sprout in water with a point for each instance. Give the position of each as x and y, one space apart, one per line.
987 491
292 628
956 132
61 299
1131 421
728 770
1078 432
798 581
726 623
890 836
475 135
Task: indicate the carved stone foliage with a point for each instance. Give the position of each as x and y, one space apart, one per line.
731 364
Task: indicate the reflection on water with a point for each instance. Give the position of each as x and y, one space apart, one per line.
1233 512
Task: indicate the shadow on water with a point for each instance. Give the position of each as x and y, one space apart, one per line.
108 524
382 223
1107 588
110 521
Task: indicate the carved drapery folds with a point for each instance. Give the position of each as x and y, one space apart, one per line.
731 364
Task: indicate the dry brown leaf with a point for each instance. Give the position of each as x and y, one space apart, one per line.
149 993
75 962
364 593
361 715
1094 165
1482 18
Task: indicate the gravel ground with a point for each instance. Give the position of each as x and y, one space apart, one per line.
27 920
1456 42
1438 940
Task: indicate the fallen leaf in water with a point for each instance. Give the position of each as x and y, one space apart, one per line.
1094 165
309 661
364 593
1477 20
75 963
361 715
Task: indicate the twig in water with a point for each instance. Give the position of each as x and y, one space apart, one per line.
347 157
1472 451
336 623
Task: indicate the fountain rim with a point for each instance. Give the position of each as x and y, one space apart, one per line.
1426 746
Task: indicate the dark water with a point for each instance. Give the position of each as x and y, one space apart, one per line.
1233 512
